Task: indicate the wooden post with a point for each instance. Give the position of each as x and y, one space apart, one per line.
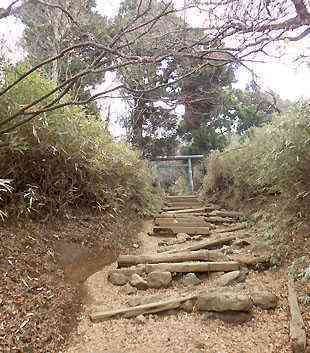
190 175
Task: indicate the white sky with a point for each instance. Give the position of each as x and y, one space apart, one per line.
282 76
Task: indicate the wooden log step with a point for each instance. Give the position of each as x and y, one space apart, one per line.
180 229
298 338
188 267
171 303
179 208
230 214
183 222
214 219
180 215
234 228
181 198
205 244
202 255
187 210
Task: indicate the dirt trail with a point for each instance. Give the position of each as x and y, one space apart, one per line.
181 332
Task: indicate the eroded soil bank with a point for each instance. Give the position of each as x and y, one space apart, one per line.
42 269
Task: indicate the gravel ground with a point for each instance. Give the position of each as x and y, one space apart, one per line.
267 332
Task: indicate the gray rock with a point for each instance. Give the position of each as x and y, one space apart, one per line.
182 236
142 300
188 306
120 277
127 289
231 317
190 279
264 299
228 278
159 279
223 300
138 282
140 319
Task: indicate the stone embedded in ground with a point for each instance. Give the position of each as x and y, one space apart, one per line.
136 246
182 236
120 277
231 317
188 306
223 300
143 300
229 278
158 279
138 282
264 299
190 279
140 319
128 289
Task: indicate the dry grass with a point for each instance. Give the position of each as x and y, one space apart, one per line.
65 160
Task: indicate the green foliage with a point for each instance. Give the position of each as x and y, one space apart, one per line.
271 159
65 160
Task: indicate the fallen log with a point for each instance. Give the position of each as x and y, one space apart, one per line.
182 222
297 327
181 207
188 210
181 198
156 307
231 229
180 215
214 219
202 255
170 241
251 260
205 244
188 267
180 229
231 214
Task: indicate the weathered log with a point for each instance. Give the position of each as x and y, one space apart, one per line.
181 207
231 214
181 198
187 267
170 241
231 229
160 306
297 327
187 210
251 260
202 255
180 215
214 219
205 244
179 229
182 222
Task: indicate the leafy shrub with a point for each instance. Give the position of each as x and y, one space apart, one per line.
274 158
66 159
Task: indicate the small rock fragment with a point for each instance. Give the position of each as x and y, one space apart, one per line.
190 279
140 319
138 282
228 278
188 306
241 243
136 246
159 279
264 299
128 289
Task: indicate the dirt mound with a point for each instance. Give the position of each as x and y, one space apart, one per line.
41 269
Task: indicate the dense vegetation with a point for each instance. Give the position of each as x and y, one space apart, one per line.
66 159
272 159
